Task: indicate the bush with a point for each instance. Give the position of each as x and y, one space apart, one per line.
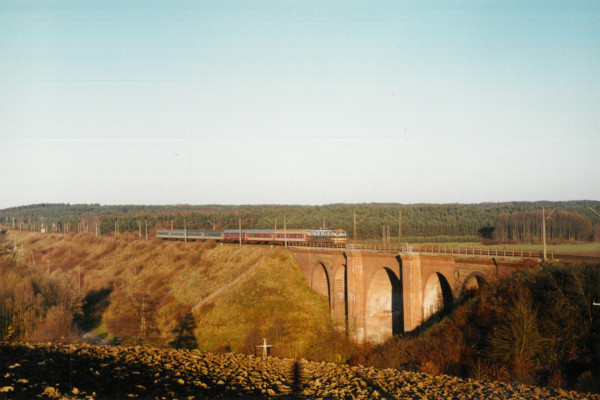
57 326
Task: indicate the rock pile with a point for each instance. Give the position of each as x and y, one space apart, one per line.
49 371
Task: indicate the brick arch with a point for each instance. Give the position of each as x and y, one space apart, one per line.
473 281
320 281
384 315
437 295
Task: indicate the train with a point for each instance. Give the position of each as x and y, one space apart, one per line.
260 236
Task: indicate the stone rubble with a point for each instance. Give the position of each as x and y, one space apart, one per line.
50 371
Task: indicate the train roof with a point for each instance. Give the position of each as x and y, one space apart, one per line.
268 231
292 230
190 230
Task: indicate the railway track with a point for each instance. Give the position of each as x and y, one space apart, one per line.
584 256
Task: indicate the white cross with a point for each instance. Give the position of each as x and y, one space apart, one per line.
265 347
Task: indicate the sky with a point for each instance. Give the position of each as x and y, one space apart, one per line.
299 102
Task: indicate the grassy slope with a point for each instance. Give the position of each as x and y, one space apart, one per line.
275 296
273 301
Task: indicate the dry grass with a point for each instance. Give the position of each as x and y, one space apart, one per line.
274 301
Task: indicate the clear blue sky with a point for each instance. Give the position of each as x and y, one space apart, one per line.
299 102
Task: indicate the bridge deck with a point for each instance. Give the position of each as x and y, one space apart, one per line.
534 254
434 250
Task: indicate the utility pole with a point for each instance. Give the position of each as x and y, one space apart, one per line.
240 220
284 232
389 231
544 231
184 229
146 229
139 229
31 259
400 228
544 218
354 226
361 220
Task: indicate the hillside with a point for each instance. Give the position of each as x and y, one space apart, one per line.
51 371
138 291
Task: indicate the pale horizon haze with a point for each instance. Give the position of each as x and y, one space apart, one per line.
299 102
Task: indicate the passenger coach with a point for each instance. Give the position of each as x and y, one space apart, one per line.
265 236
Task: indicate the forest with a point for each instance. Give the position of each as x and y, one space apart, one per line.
528 226
417 222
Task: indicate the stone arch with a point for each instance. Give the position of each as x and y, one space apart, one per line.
320 281
383 310
340 298
474 281
437 295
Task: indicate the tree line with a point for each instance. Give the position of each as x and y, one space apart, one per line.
528 226
372 220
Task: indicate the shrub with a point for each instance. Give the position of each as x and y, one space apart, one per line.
57 326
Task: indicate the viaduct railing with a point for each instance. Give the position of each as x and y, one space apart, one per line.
450 250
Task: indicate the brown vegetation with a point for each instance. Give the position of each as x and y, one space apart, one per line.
33 304
142 292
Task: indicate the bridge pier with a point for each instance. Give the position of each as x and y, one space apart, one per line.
411 289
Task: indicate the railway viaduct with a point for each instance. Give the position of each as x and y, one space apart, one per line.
376 294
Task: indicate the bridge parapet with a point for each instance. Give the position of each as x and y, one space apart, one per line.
511 253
